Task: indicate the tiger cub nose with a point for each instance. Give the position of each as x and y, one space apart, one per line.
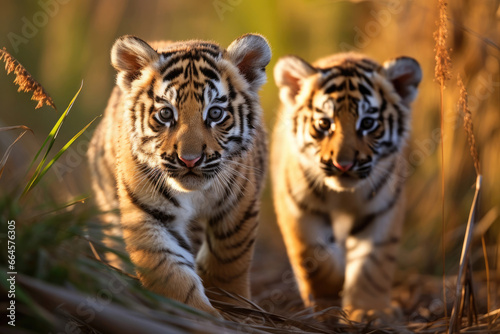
343 166
189 162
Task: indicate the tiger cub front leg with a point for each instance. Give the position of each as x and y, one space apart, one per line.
158 247
370 266
318 264
225 257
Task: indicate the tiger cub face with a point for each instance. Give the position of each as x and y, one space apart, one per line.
347 113
190 106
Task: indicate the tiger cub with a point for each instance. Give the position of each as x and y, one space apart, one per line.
337 174
181 152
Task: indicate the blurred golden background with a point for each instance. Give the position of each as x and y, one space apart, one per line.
62 42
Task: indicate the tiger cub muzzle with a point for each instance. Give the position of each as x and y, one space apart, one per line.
192 171
358 169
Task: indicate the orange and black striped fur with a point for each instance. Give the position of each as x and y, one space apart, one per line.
181 152
337 170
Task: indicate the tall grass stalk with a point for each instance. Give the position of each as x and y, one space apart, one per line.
442 74
464 277
458 307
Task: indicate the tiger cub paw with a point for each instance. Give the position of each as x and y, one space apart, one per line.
210 310
327 311
389 315
200 301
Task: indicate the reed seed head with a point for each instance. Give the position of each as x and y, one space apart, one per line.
469 129
442 71
25 81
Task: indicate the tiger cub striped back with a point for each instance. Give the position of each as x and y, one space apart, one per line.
181 152
337 174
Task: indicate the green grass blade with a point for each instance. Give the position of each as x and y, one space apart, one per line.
61 152
55 131
50 140
79 199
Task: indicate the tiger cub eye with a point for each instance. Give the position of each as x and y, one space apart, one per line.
215 114
367 123
324 124
165 115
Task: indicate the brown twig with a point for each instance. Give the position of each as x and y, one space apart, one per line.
488 291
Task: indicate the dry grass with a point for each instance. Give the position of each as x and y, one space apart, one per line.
465 299
7 152
442 70
25 81
442 73
463 105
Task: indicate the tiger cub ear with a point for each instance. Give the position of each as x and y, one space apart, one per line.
405 74
129 56
251 54
289 72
